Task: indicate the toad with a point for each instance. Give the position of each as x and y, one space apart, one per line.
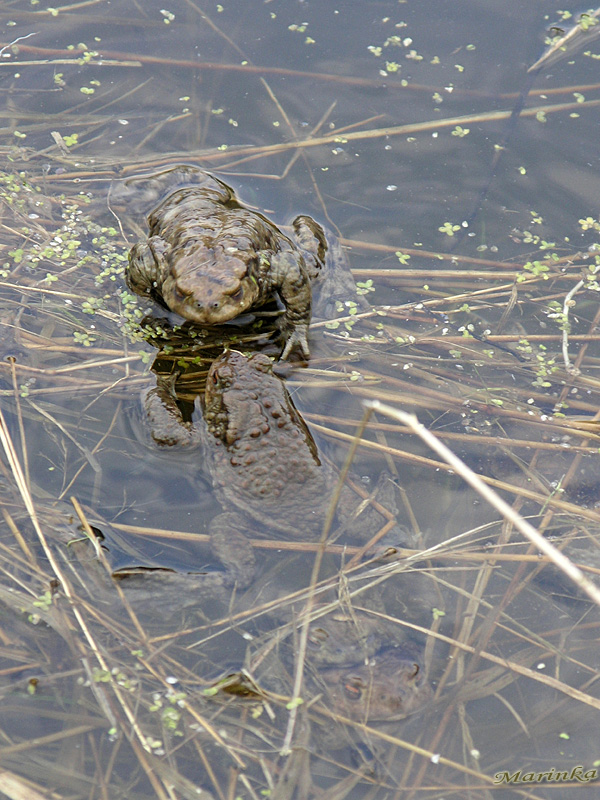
269 479
365 664
263 463
262 458
210 259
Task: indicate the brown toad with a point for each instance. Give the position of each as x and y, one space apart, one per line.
210 259
264 465
366 664
270 480
262 458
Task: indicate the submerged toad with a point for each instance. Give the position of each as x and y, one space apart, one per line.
269 479
368 668
390 686
262 458
210 259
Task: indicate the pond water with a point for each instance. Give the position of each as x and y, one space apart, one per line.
473 231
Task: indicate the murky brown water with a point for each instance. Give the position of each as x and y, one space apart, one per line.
380 120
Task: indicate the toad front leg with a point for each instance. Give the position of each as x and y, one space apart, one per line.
293 285
148 266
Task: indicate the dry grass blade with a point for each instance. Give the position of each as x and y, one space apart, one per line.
15 788
585 30
524 527
18 474
409 746
295 700
554 502
102 558
14 41
514 665
15 466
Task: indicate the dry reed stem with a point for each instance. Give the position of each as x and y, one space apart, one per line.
7 444
301 656
475 481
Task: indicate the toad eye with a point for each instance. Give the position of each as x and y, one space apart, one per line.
217 377
237 296
317 635
353 689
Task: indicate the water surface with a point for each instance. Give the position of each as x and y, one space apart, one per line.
382 120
